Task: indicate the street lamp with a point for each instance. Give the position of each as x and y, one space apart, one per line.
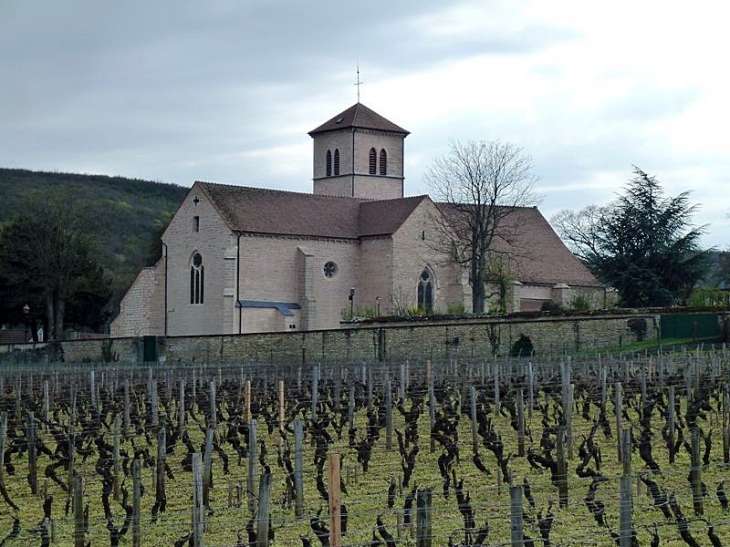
26 320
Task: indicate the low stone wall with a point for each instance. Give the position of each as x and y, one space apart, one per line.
418 340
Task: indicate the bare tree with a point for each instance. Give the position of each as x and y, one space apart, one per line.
477 186
580 229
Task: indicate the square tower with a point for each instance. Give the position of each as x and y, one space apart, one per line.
358 154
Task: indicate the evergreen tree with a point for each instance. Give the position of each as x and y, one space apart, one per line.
47 263
643 245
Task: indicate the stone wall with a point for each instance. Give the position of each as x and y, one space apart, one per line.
465 339
476 338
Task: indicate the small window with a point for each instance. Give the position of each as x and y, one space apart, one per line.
383 162
337 161
197 279
330 269
196 224
373 161
329 163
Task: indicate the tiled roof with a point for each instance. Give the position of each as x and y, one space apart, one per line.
358 115
258 210
385 217
538 255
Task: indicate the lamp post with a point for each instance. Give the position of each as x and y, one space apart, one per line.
352 302
377 306
26 320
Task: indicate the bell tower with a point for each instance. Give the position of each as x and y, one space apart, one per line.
358 154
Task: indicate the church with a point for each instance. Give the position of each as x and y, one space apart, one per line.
245 260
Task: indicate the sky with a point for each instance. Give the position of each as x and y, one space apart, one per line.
226 90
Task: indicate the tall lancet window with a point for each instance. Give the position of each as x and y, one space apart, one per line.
337 161
197 279
383 162
329 163
373 161
425 291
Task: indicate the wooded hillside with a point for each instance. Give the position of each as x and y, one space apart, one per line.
126 216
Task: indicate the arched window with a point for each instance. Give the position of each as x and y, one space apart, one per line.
329 163
383 162
197 279
373 161
337 161
425 291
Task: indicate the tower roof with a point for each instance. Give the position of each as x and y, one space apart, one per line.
360 116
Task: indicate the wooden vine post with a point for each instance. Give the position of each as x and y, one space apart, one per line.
619 417
78 505
264 511
626 507
671 424
298 469
431 402
726 426
3 436
424 534
136 501
251 484
247 401
116 460
160 495
32 454
388 417
198 523
516 533
282 407
562 469
334 499
520 424
474 425
695 472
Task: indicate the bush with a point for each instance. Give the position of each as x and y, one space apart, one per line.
455 308
580 302
638 326
522 347
549 305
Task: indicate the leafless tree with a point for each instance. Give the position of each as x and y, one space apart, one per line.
579 229
477 186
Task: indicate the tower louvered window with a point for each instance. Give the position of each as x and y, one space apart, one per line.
383 162
329 163
373 161
337 161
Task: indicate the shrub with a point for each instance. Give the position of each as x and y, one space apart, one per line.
455 308
580 302
549 305
522 347
638 326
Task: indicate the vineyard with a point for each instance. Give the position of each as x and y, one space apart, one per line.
607 450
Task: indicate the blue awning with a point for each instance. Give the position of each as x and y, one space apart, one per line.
284 307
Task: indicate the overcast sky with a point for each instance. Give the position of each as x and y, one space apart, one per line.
225 91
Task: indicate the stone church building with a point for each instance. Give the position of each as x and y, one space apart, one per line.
241 260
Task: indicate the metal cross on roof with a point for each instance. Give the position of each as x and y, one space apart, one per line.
358 83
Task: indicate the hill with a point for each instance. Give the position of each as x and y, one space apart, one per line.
127 215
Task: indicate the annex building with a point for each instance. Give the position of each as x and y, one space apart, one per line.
242 260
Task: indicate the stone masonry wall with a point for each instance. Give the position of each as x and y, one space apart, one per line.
478 338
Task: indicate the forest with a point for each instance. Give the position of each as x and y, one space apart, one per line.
122 221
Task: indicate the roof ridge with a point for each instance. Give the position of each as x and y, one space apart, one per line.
420 196
277 191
